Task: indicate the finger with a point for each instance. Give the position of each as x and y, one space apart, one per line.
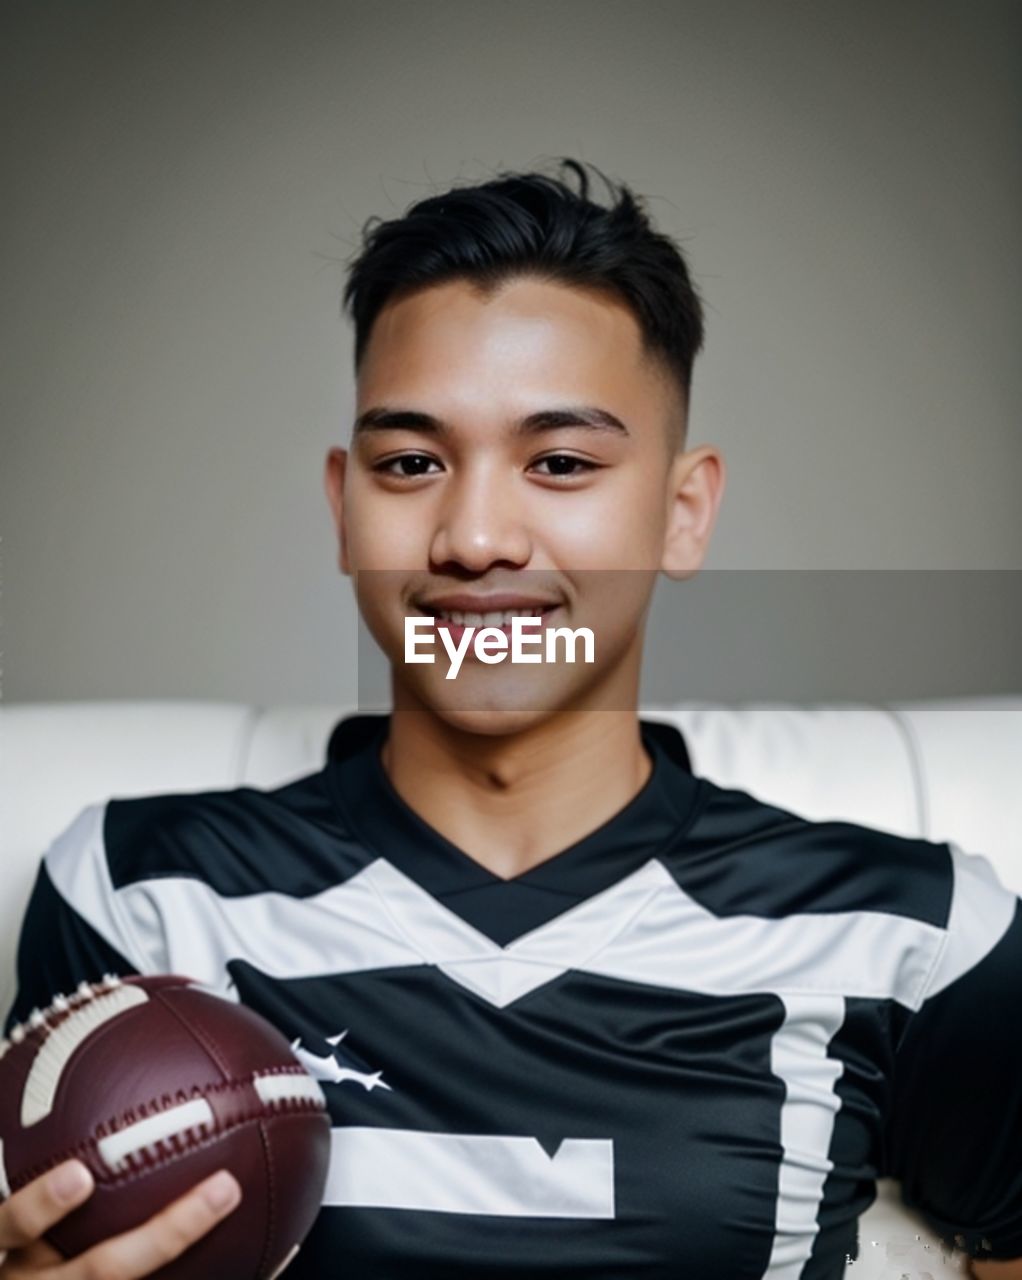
162 1238
34 1257
28 1213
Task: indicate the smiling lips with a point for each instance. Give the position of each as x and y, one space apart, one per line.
458 611
456 622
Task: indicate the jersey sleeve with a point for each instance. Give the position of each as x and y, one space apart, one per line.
954 1132
72 930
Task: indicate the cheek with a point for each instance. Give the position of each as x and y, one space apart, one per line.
613 525
383 530
614 601
372 550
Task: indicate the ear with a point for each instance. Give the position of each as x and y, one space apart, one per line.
333 483
695 488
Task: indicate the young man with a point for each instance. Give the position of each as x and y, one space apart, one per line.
601 1018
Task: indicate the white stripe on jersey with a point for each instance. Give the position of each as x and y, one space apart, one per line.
645 929
798 1054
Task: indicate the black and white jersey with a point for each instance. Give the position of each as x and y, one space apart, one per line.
685 1046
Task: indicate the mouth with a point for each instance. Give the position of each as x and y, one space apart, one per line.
455 621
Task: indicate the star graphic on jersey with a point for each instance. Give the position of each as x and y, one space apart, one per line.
331 1071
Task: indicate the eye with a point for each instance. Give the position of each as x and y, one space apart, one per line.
410 464
566 464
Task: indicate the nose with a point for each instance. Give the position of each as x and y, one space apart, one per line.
481 522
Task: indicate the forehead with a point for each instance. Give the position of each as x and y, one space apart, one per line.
529 340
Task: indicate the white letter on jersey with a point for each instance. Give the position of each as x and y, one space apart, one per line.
512 1177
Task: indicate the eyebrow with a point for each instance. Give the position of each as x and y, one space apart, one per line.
586 416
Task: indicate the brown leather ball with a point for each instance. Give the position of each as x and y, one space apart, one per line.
155 1083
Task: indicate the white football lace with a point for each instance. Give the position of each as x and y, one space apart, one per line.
287 1087
195 1117
99 1005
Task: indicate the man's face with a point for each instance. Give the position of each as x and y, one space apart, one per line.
497 486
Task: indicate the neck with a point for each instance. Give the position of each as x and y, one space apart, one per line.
513 801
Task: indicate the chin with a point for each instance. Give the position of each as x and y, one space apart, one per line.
504 706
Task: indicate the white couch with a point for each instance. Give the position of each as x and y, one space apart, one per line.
948 769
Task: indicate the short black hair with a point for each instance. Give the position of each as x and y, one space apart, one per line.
534 224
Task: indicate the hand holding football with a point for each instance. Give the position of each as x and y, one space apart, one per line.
155 1083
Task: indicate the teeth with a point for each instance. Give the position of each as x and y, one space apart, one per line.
495 618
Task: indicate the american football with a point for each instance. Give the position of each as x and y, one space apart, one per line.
155 1083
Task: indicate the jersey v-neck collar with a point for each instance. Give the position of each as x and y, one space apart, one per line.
504 909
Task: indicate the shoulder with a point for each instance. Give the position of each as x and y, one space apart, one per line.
904 915
756 857
233 838
983 930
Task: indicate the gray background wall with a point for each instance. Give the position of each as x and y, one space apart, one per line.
183 181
